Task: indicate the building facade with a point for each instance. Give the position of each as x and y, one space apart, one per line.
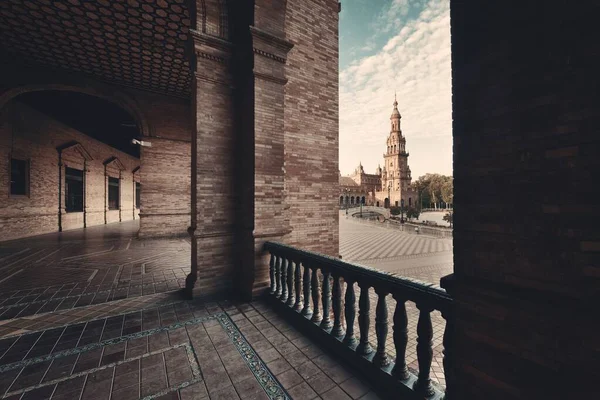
55 178
234 96
390 185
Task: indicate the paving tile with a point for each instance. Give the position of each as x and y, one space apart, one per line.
320 383
335 394
196 391
289 378
308 369
278 366
226 393
302 391
354 388
249 389
370 396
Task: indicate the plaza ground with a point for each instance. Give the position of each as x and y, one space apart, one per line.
404 254
96 314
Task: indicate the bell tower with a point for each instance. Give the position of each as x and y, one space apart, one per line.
396 176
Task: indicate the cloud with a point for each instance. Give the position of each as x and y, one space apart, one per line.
415 62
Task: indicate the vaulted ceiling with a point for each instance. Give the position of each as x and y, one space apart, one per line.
139 43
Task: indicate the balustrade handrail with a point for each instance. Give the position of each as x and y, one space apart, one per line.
410 289
300 277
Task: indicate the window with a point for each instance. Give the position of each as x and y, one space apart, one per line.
73 190
19 177
113 193
138 198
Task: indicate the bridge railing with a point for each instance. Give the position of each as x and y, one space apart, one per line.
318 293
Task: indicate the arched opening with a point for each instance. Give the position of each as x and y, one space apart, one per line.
386 203
352 200
377 204
78 156
362 201
410 201
341 200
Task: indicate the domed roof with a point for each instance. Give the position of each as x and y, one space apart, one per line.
395 113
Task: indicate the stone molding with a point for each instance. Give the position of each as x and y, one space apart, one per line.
273 46
211 47
270 78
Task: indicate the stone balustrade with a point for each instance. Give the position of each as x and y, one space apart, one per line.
318 294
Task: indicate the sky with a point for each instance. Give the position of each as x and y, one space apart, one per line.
400 46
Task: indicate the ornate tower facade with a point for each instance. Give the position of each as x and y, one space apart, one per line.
395 176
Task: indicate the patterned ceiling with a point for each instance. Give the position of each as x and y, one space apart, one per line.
138 43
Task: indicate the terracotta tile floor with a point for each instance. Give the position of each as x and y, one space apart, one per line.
163 348
91 314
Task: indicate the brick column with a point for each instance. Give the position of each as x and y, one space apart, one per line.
271 221
213 202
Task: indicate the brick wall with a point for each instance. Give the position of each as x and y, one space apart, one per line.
311 125
25 133
526 108
168 122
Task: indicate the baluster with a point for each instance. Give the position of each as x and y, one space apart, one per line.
337 329
284 292
449 355
381 330
272 273
364 308
350 311
290 281
316 296
278 278
306 311
298 280
400 338
326 297
424 351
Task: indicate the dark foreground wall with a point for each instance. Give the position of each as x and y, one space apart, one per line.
526 110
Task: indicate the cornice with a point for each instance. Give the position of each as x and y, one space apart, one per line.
270 78
211 47
270 46
270 39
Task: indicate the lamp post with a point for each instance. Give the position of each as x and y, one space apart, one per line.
346 199
360 201
389 197
401 211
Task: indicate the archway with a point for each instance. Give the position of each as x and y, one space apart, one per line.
362 200
386 203
352 200
341 200
74 148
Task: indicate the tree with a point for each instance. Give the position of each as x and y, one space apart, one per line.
448 218
395 210
412 212
448 191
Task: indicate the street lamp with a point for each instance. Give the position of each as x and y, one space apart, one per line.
360 201
389 197
401 211
346 199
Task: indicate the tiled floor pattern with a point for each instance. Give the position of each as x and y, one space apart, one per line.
361 241
415 256
176 351
92 266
